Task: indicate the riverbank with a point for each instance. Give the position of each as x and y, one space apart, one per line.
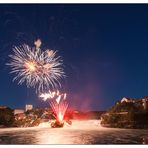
127 113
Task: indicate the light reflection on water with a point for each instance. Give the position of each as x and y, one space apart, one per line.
81 132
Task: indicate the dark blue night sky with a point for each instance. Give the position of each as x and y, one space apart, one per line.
104 47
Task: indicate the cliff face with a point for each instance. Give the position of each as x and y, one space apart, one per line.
126 114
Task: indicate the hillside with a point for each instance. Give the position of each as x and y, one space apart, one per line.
126 114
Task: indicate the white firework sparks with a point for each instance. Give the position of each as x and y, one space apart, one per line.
39 69
57 102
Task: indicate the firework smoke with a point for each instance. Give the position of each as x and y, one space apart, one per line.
38 69
57 102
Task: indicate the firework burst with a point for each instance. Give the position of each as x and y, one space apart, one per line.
57 102
38 69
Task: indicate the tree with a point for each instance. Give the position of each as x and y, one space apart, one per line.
7 117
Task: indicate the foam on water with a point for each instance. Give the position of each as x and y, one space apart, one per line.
80 132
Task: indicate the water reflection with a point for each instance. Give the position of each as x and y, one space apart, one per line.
81 132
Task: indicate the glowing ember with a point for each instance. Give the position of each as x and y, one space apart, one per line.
57 102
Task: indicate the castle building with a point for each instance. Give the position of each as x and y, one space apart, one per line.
124 99
143 102
28 107
18 111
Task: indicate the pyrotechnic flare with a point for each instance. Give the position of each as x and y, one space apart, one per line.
39 69
57 102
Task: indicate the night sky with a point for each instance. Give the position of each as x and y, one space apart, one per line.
104 48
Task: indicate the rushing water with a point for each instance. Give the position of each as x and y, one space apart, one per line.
81 132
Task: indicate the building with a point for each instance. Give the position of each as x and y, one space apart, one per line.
124 99
145 103
28 107
3 107
138 102
18 111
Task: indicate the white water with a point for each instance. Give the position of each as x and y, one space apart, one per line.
80 132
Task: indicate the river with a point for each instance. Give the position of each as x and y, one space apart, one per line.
80 132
